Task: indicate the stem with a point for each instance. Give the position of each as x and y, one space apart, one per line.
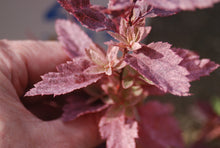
121 74
124 53
120 79
130 16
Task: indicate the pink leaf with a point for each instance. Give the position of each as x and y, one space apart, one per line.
69 77
72 38
157 128
95 70
118 133
94 19
181 4
144 32
90 17
143 8
119 7
112 53
196 67
159 64
161 12
96 55
119 4
78 106
80 3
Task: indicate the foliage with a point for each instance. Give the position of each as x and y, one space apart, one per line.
122 83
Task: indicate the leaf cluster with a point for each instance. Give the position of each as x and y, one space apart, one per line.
120 84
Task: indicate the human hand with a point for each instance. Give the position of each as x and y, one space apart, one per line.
21 64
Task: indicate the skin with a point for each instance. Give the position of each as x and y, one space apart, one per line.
21 64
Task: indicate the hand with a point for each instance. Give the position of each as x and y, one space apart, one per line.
21 64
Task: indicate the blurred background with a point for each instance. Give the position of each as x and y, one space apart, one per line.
28 19
34 19
199 31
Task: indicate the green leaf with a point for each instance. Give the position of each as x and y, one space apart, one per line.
216 104
127 83
146 80
128 77
137 90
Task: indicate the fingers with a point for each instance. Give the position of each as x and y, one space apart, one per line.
25 61
82 132
16 123
40 57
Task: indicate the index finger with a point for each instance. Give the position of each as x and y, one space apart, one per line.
27 60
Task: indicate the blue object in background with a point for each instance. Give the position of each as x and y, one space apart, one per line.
55 12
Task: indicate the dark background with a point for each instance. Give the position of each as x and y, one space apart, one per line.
198 31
